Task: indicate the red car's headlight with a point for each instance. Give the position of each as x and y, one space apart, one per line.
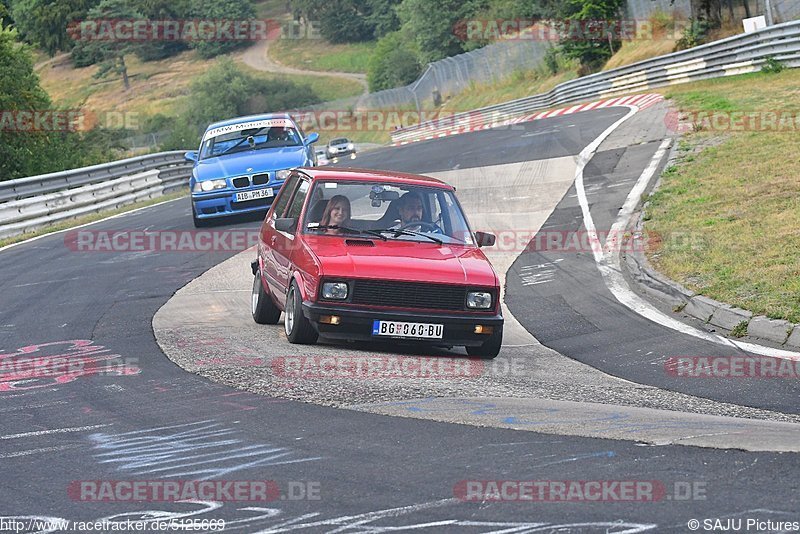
334 290
479 300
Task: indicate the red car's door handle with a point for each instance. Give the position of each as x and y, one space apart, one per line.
272 240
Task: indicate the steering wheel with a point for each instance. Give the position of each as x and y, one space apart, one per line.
434 228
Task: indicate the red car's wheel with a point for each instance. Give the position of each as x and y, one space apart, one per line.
490 348
298 328
263 309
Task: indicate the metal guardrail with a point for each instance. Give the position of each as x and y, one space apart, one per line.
735 55
36 201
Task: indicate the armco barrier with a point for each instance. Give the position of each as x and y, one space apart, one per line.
36 201
735 55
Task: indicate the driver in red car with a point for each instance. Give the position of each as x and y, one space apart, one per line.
410 208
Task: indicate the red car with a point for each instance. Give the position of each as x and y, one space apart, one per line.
368 255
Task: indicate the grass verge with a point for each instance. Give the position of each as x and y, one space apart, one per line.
738 201
520 84
318 54
72 223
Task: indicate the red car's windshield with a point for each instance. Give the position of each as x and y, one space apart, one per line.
399 211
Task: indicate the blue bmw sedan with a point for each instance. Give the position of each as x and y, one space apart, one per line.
243 162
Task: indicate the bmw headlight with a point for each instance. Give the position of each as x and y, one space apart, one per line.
283 174
209 185
479 300
334 290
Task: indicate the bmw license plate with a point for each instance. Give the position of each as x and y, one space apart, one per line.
252 195
399 329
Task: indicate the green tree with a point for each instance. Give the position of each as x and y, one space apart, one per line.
25 152
44 23
219 10
5 12
383 17
392 64
160 10
107 50
583 32
350 21
434 25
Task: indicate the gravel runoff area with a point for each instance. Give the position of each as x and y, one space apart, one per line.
206 329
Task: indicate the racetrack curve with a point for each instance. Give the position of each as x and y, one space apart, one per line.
148 419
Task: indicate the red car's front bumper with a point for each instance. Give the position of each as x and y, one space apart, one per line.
356 324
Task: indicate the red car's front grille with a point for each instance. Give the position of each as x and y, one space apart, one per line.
409 295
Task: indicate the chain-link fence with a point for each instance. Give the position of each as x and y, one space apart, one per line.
452 75
782 10
642 9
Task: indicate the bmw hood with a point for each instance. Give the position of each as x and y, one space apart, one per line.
251 162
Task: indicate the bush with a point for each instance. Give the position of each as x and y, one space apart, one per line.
772 66
693 35
551 60
392 64
224 92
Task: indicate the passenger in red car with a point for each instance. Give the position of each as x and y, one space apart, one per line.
336 212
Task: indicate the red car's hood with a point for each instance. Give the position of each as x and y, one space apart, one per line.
408 261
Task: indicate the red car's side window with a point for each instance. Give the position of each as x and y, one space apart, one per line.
284 196
299 199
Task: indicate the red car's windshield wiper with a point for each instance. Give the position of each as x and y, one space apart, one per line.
397 233
316 226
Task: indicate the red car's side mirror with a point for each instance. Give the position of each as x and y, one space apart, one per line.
286 224
485 239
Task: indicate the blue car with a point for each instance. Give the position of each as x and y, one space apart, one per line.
243 162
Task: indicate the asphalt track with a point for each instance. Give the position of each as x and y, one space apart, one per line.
151 420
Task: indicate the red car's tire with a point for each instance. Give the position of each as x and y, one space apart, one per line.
490 348
263 309
298 328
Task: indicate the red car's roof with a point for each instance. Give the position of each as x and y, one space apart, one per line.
360 175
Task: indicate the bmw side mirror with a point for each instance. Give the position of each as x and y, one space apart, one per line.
485 239
190 156
312 138
286 224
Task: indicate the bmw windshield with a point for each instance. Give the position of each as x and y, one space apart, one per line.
250 139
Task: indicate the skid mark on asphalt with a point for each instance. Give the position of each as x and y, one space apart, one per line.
541 273
203 450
